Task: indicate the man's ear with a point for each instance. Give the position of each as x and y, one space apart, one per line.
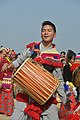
54 34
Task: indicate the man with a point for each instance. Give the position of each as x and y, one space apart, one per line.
46 50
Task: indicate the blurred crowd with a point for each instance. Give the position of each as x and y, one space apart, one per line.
70 62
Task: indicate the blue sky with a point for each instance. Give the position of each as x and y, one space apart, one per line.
20 22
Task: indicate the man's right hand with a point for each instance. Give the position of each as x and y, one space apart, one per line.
11 66
7 66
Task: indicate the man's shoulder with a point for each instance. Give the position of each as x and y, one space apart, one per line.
32 44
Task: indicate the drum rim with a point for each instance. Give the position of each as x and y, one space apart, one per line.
20 67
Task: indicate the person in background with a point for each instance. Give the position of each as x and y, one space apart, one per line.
6 84
70 89
62 57
62 54
45 51
67 71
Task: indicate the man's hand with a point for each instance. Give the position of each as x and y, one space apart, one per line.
4 67
7 66
11 66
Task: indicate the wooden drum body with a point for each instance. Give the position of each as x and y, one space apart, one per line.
36 81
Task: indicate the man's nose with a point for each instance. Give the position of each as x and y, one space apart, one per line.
46 32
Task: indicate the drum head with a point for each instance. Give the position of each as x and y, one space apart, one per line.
76 77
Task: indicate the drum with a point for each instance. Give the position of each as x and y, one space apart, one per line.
36 81
76 77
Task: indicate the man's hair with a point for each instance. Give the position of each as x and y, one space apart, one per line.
49 23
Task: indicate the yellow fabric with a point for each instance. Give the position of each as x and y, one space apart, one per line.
71 84
70 64
8 59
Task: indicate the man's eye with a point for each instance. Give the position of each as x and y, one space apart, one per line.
49 30
43 30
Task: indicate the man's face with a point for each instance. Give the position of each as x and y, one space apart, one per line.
47 33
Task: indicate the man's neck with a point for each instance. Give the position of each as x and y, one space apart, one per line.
46 44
